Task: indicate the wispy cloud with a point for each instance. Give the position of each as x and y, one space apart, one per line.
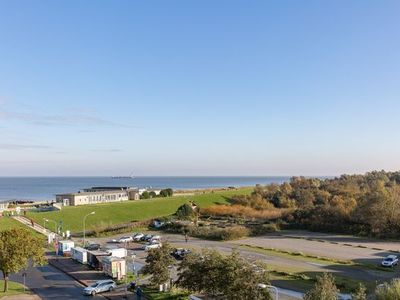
67 119
22 146
107 150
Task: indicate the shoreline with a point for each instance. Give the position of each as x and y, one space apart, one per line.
178 192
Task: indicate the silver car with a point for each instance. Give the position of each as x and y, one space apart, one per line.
100 287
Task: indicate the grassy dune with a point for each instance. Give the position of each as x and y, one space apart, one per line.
123 212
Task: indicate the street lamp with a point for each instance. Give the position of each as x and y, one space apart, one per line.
84 220
55 224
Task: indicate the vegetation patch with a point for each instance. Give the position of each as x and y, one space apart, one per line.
175 294
14 288
130 211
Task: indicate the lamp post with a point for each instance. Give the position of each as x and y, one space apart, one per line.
84 233
55 224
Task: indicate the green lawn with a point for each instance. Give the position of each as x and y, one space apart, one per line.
123 212
154 294
14 288
8 223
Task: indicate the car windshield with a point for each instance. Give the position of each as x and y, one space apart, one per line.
388 259
95 285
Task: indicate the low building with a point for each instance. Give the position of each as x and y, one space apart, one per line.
3 205
114 267
97 195
94 258
64 247
79 254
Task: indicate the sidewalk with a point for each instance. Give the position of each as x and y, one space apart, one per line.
27 222
87 276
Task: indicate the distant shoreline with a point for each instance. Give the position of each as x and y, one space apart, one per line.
45 188
178 192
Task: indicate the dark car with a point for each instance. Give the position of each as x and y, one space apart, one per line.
180 253
147 237
93 247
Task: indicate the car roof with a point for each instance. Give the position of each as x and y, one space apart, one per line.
104 281
391 256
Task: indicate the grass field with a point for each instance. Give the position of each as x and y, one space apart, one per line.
123 212
14 288
8 223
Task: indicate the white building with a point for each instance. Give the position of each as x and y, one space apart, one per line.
3 205
97 195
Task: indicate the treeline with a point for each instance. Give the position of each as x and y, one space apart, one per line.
360 204
152 194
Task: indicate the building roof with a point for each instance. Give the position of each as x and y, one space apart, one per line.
92 193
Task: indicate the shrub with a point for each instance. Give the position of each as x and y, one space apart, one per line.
264 228
215 233
388 291
237 210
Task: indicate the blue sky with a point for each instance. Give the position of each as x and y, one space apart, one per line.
199 87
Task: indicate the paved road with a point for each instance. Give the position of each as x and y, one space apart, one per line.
293 244
334 246
50 283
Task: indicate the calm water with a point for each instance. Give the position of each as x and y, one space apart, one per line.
44 188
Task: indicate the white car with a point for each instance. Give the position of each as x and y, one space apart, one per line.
151 246
390 261
155 239
100 287
138 236
125 239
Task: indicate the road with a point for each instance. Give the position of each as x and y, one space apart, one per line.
50 283
341 249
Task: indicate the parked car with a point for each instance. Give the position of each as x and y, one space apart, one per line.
100 287
390 261
93 247
149 246
125 239
155 238
180 253
148 237
137 237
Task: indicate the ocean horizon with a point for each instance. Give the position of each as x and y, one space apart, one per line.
46 187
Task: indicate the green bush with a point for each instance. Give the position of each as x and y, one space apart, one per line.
263 229
215 233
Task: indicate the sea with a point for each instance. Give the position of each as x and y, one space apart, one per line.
45 188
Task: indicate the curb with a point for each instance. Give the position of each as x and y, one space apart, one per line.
76 279
73 277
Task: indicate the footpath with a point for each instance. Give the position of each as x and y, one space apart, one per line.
35 226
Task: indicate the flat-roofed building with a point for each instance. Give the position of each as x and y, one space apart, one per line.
4 205
97 195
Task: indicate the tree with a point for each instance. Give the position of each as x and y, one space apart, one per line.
157 262
388 291
18 246
152 194
360 293
324 289
185 212
145 195
166 192
223 277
